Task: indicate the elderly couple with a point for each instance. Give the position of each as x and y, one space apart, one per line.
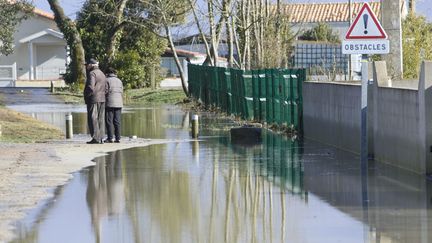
103 97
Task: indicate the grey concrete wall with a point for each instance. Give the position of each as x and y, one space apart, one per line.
331 114
399 119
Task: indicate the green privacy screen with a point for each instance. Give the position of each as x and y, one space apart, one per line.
273 96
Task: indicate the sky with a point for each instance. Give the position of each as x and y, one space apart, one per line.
424 7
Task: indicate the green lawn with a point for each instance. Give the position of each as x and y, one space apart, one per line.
144 96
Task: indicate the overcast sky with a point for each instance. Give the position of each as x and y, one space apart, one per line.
70 7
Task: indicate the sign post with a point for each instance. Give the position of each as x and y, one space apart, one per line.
365 36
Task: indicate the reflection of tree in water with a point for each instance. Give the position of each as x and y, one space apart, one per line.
225 194
162 195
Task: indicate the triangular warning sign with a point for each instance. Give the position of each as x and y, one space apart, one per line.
366 26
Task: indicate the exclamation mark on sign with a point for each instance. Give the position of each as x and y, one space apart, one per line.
365 22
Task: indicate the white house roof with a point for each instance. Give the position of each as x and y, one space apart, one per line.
34 36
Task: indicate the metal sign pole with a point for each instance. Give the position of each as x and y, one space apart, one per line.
364 144
364 106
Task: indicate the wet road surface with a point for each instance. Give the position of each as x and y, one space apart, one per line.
211 190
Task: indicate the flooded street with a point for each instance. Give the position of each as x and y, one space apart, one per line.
211 190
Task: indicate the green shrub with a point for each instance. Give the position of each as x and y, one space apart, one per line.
129 69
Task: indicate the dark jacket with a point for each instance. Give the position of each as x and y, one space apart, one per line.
95 87
114 97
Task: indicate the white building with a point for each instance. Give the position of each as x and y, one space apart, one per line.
39 51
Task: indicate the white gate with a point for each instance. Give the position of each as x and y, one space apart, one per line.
7 75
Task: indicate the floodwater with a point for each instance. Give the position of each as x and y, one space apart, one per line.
211 190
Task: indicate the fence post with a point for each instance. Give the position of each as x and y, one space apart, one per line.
69 126
195 127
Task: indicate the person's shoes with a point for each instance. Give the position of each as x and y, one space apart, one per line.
94 141
117 141
108 140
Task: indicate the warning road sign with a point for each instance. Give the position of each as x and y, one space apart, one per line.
366 26
366 35
365 47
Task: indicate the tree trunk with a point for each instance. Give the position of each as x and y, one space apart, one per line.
214 43
229 33
278 34
237 44
115 33
73 39
207 47
176 59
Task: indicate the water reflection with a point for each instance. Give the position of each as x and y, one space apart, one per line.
213 193
151 122
282 190
105 194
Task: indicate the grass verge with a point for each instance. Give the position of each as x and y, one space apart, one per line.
20 128
143 96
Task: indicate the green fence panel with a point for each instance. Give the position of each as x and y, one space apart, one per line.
269 95
222 89
229 104
294 100
301 78
234 90
262 95
255 94
247 96
240 93
215 86
277 90
287 98
192 80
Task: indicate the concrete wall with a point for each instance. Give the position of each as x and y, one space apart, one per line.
399 118
331 114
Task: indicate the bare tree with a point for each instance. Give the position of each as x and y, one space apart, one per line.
167 13
201 31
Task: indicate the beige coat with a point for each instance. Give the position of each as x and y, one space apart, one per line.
114 97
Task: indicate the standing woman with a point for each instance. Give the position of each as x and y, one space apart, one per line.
114 105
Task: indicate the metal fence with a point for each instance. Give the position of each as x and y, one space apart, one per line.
266 95
324 61
7 75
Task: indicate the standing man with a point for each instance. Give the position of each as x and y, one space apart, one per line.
114 105
94 96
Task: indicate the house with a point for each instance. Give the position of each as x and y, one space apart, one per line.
169 67
40 51
304 16
325 61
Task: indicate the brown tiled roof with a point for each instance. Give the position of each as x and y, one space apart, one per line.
43 13
323 12
38 11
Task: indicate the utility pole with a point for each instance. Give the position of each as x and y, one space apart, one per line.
350 56
412 6
392 23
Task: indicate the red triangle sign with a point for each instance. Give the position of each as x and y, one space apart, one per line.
366 26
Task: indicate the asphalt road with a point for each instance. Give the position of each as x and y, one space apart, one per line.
15 96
